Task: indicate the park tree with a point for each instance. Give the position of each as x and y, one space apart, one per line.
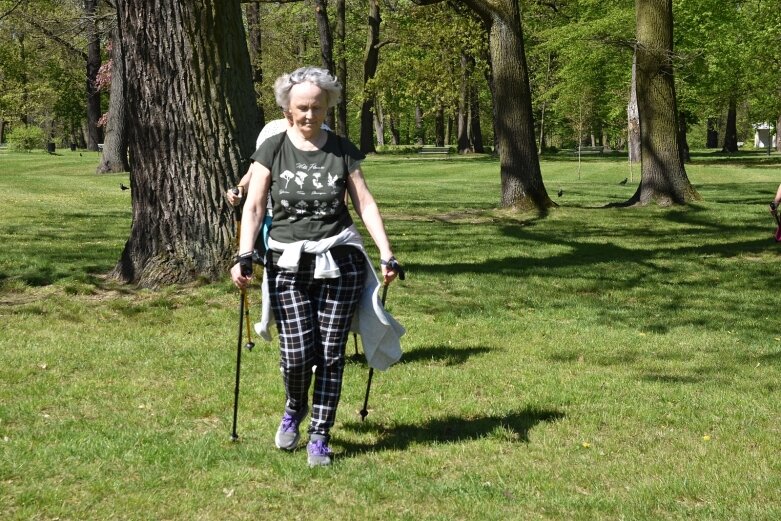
663 177
427 77
189 87
580 57
94 132
42 71
252 12
371 59
340 63
522 187
111 76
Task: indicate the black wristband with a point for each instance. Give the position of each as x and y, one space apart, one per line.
773 206
394 265
245 261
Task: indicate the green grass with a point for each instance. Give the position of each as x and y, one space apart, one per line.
593 364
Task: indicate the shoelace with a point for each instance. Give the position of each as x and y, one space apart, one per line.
289 423
319 448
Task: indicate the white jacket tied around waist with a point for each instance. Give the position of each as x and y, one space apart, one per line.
380 332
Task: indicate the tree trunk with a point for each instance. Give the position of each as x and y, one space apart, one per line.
439 127
521 179
633 119
189 90
420 130
379 124
254 30
731 132
712 138
393 121
93 65
326 47
342 126
370 60
778 133
663 177
474 129
541 147
114 156
463 108
2 130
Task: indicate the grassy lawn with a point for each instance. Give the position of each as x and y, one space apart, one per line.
593 364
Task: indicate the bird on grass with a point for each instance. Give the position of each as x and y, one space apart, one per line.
560 192
624 181
123 187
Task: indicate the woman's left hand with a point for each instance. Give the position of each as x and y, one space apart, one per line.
390 270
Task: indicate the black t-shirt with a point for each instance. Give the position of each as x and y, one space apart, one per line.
307 187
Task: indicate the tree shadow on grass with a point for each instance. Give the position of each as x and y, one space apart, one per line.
446 355
450 429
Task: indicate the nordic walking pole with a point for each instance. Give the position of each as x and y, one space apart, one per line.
234 435
243 315
395 266
365 411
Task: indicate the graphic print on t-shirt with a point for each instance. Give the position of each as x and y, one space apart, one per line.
312 192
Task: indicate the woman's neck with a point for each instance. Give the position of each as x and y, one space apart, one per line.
307 143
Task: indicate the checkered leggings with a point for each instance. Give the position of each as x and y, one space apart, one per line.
313 319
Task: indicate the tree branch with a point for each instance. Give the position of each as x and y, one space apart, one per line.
66 44
10 11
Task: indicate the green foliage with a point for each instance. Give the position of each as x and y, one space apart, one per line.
581 59
26 138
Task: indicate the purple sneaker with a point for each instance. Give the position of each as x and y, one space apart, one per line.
319 455
287 434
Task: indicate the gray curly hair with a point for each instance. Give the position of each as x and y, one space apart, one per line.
315 75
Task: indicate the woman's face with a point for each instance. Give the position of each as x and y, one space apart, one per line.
308 108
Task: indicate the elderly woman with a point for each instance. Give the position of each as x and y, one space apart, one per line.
316 265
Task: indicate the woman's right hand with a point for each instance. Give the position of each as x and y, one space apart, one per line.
235 195
240 280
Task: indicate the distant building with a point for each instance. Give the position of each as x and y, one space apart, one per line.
762 137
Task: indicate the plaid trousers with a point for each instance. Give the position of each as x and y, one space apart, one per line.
313 319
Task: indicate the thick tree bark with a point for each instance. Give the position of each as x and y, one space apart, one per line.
663 177
114 156
95 135
342 127
731 131
189 90
371 59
